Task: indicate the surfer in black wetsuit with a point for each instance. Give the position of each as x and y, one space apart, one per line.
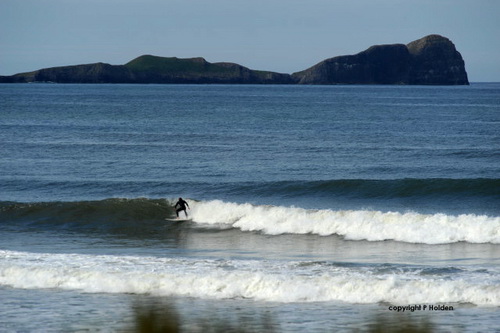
182 207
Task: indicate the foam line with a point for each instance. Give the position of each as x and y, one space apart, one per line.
266 281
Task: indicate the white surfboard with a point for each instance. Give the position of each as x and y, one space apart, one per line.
177 219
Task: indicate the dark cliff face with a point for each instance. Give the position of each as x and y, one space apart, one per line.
430 60
382 64
435 60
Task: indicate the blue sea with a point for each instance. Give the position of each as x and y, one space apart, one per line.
312 208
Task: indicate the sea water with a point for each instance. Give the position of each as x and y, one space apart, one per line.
313 208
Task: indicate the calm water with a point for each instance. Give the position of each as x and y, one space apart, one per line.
313 208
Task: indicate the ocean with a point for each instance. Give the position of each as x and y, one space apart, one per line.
311 208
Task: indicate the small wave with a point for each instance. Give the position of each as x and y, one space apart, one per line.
271 281
384 189
136 218
401 188
92 212
351 224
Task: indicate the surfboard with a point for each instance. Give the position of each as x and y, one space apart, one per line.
177 219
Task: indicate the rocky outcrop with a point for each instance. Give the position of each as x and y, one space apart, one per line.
432 60
151 69
382 64
435 60
92 73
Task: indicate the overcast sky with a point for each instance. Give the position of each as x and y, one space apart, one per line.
277 35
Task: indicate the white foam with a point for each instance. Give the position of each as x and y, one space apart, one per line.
275 281
352 224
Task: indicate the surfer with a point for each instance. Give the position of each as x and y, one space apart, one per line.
182 207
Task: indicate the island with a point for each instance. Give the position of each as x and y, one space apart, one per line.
431 60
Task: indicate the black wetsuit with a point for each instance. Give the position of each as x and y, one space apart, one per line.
182 207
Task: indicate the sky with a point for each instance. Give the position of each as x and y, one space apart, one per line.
283 36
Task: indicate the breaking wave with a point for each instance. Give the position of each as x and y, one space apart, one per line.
111 215
273 281
351 224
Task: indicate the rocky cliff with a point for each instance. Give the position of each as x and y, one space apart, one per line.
432 60
435 60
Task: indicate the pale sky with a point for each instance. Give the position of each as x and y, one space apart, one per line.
278 35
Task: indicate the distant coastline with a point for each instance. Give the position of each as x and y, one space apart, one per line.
431 60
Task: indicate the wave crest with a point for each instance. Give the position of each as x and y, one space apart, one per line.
351 224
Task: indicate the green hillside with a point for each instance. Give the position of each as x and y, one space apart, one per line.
164 65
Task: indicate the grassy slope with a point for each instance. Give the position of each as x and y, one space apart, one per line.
162 65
